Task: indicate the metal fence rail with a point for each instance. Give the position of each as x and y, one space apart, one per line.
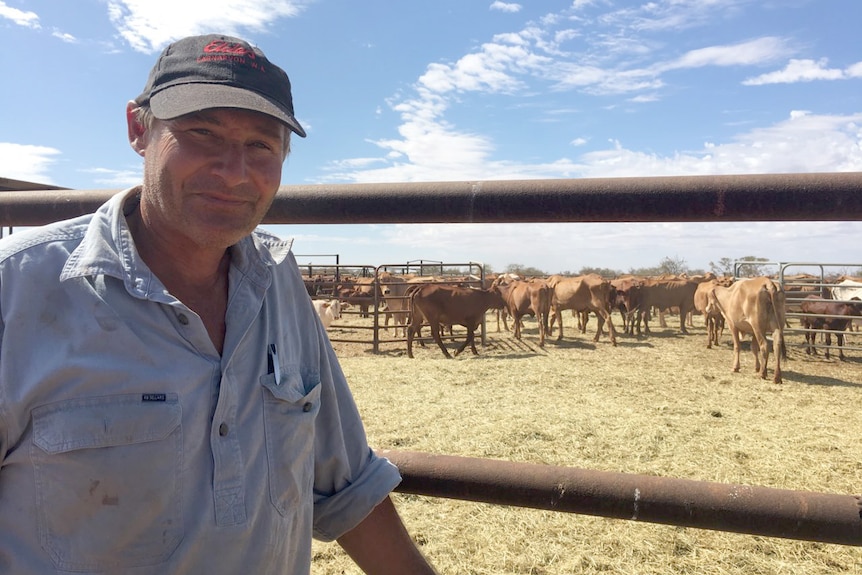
724 507
771 197
783 197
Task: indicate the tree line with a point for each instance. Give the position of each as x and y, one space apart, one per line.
746 266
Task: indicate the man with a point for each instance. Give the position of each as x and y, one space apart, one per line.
169 401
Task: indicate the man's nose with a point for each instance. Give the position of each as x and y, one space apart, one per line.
232 164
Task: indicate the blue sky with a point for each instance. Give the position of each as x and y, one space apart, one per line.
393 91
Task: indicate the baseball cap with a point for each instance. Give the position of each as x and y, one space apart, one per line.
215 71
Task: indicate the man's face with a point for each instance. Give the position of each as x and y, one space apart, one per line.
210 177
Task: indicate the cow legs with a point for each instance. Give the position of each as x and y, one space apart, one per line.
543 327
469 341
435 331
809 338
612 332
840 337
558 315
600 326
413 329
760 349
777 346
711 331
410 332
734 334
683 316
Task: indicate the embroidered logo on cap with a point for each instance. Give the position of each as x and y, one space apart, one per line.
221 50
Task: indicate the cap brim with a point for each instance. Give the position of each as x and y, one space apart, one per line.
177 101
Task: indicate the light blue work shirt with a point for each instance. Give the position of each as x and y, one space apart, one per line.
129 445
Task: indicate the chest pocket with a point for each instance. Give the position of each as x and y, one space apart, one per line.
290 408
107 473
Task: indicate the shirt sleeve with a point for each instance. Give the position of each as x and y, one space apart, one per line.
350 479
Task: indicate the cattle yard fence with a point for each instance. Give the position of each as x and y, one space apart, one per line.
384 302
828 518
801 280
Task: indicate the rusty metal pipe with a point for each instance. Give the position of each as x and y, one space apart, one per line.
809 516
769 197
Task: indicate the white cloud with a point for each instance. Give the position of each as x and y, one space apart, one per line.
743 54
801 71
148 25
25 162
805 142
109 178
505 6
19 17
68 38
675 15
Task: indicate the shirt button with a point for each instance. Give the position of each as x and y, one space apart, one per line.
222 429
307 407
183 319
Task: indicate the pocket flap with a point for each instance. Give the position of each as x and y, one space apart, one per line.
105 421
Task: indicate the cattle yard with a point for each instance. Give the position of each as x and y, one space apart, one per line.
649 408
380 293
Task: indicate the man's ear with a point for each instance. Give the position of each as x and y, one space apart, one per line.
137 131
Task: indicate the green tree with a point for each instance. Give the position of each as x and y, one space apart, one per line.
673 265
604 272
724 267
652 271
524 271
751 266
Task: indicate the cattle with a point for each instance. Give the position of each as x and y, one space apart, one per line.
395 294
824 314
712 318
527 298
439 304
753 306
847 289
628 299
328 310
797 287
661 294
362 292
589 292
490 280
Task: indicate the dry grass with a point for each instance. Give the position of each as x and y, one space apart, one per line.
662 405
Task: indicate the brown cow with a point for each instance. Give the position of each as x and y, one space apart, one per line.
712 318
588 292
754 306
527 298
628 299
661 294
442 304
362 292
820 315
395 289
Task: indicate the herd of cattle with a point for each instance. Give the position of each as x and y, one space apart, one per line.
751 306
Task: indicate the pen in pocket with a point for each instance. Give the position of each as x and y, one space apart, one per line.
274 368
